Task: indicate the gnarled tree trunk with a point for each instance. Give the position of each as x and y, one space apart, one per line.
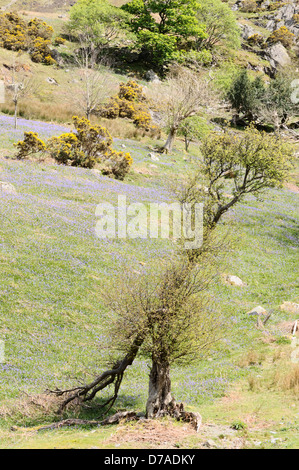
159 396
170 140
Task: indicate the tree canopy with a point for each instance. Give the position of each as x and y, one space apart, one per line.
220 24
99 20
163 27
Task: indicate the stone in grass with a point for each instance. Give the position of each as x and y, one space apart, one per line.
154 157
258 311
233 280
7 188
290 307
210 444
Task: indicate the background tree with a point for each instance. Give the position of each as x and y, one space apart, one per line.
164 27
19 84
96 85
194 128
220 24
276 105
97 20
183 95
245 94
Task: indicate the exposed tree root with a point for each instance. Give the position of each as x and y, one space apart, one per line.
115 419
177 411
124 416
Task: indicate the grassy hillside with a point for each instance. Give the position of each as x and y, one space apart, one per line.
53 268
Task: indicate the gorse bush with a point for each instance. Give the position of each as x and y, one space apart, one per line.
86 147
256 40
34 36
30 145
59 41
117 164
282 35
130 103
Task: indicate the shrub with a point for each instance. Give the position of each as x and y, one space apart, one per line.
282 35
202 57
33 36
39 29
131 91
117 164
238 425
41 51
30 145
59 41
85 147
256 40
249 6
129 103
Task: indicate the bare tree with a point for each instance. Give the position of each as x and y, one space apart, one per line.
97 82
19 84
184 94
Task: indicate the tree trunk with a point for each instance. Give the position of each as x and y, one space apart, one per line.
187 143
159 395
170 140
16 115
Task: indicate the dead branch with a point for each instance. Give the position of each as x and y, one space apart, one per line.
115 419
112 376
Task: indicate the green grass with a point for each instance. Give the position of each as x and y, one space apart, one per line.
53 269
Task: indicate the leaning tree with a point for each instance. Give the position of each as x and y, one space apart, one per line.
169 316
183 95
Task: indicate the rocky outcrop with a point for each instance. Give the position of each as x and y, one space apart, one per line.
285 17
277 55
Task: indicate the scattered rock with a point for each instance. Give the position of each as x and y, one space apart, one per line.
52 81
290 307
257 311
234 280
7 188
151 76
278 55
57 56
246 31
123 146
210 444
154 157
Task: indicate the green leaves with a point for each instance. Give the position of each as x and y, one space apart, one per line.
220 24
163 27
97 19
